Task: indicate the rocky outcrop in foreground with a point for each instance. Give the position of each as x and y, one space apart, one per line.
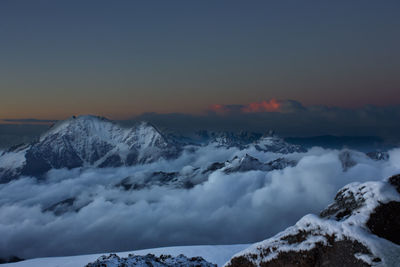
150 260
361 228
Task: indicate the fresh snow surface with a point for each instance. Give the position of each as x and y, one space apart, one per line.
218 254
352 228
89 134
14 159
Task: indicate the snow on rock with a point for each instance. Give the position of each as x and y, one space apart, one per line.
150 260
243 164
12 162
218 254
378 155
276 145
87 141
189 177
361 228
249 163
266 143
230 139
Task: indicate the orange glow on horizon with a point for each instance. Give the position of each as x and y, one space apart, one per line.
271 105
263 106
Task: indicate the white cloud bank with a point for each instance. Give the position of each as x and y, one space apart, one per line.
227 208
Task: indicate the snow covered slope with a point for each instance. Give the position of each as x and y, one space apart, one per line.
87 141
215 254
276 145
361 228
266 143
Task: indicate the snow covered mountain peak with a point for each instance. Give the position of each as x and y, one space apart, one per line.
272 143
84 124
91 141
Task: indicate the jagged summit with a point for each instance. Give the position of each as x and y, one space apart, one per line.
268 142
88 141
273 143
75 122
94 141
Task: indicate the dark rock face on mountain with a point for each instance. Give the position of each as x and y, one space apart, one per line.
276 145
87 141
339 253
266 143
346 201
281 163
249 163
160 178
384 221
230 139
96 142
190 178
377 155
361 228
10 259
150 260
246 163
347 160
395 181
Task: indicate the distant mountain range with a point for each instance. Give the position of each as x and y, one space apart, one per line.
86 141
92 141
362 143
96 142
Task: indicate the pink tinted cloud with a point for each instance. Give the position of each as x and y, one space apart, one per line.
263 106
271 105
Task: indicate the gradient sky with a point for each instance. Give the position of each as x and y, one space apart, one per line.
123 58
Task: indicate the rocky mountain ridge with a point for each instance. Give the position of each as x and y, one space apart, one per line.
361 228
86 141
150 260
92 141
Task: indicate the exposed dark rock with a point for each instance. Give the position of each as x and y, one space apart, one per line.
346 160
368 210
213 167
337 253
244 164
64 206
150 260
10 259
385 221
112 161
35 165
159 178
61 207
395 181
7 175
377 155
344 205
281 163
277 145
132 158
89 141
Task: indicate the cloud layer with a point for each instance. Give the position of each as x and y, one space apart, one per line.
288 118
227 208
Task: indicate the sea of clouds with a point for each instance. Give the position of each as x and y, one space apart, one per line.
224 209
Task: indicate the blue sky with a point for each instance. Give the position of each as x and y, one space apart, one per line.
123 58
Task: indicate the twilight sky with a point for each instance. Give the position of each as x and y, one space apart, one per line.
124 58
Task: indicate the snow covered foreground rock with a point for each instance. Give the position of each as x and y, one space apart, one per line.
361 228
218 254
114 260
